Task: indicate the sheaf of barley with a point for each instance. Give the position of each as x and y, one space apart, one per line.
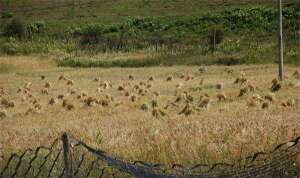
243 91
52 101
205 102
265 105
60 96
90 101
45 91
151 78
219 86
187 110
131 77
221 96
169 78
271 97
276 85
47 85
3 113
202 70
145 107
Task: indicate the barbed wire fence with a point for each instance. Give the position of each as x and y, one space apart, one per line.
70 157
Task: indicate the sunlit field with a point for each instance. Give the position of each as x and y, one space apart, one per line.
173 114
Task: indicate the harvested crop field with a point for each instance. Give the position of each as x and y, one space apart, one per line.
159 114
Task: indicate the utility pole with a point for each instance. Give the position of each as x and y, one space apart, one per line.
280 41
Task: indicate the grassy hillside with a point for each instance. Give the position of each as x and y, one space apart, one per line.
79 11
90 33
114 9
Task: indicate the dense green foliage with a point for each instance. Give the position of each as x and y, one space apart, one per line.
14 29
234 19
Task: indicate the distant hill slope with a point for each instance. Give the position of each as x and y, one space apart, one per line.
115 10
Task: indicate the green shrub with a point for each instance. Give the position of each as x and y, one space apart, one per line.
75 31
295 5
230 60
35 28
6 14
91 34
15 28
10 47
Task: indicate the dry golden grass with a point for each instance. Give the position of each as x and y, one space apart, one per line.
28 62
152 127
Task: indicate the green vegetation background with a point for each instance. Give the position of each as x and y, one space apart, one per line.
168 32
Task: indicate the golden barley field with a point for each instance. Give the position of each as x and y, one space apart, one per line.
175 114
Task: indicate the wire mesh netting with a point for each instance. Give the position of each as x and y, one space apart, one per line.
85 161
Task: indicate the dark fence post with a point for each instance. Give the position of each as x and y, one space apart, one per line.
67 160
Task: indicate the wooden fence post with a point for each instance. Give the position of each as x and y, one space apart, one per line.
67 160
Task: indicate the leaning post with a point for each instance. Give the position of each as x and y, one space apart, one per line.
67 160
